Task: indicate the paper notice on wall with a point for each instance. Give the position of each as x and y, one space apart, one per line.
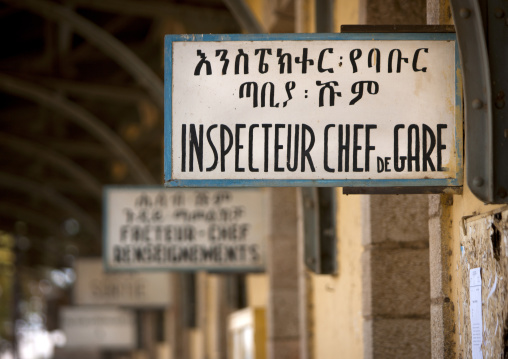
475 311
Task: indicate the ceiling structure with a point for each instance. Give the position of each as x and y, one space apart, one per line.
81 104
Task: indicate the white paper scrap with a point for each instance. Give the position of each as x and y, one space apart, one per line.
475 308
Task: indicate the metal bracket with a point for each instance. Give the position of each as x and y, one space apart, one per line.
320 241
401 190
482 33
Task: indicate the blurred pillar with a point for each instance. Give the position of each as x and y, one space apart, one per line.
395 263
395 280
305 16
282 266
178 337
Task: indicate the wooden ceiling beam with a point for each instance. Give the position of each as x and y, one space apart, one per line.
103 40
52 197
81 178
82 118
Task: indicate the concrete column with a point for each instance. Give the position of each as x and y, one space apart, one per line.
442 322
282 267
396 283
395 264
305 304
177 332
440 219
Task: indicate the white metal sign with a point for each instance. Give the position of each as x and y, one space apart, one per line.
93 327
185 229
339 109
95 287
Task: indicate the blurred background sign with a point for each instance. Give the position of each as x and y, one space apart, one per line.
185 229
95 287
106 328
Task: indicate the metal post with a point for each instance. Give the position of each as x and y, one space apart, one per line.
324 16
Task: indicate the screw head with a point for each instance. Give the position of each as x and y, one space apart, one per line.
478 181
499 13
477 104
465 13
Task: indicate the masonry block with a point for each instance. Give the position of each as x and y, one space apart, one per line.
284 315
399 282
397 338
283 258
400 218
288 349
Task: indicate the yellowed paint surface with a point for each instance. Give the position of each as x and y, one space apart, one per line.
163 351
337 313
196 344
257 290
346 13
211 340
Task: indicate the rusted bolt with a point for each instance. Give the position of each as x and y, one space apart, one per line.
499 104
477 104
465 13
478 181
502 193
499 13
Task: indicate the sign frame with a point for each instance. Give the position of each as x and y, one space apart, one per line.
455 181
109 269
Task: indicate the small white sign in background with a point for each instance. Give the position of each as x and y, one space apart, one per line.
98 327
475 312
95 287
185 229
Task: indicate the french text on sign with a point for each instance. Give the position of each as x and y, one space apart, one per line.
155 228
337 109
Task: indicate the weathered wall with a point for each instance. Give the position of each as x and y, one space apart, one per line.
484 243
337 309
450 269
